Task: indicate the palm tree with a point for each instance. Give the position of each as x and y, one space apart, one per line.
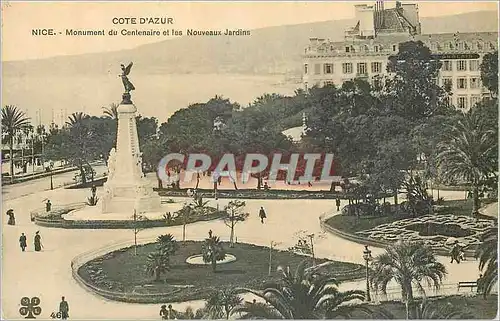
487 253
220 304
13 120
167 244
468 152
409 264
304 294
76 119
111 111
157 263
213 251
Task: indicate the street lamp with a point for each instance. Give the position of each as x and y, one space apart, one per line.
273 244
367 255
49 170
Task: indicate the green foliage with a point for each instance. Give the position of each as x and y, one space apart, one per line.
304 294
213 251
489 72
157 263
233 214
92 201
167 244
488 261
409 264
221 302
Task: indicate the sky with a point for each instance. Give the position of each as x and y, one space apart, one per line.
19 18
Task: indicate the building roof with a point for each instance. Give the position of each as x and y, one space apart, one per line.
443 42
295 133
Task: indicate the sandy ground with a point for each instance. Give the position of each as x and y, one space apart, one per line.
47 274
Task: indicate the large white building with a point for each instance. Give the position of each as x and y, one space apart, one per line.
367 47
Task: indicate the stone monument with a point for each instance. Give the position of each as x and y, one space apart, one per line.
127 188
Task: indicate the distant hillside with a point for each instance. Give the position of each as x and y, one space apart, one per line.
267 51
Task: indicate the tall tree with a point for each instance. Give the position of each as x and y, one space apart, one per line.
487 253
469 152
13 121
411 91
234 214
489 72
409 264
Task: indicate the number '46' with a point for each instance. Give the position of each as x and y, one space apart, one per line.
54 315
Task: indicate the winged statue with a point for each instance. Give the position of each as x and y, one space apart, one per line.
126 83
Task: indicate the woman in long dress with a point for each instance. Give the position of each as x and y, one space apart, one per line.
38 242
12 217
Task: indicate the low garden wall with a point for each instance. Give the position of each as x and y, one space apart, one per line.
469 252
260 194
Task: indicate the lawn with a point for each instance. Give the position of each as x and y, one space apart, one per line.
475 305
122 271
352 224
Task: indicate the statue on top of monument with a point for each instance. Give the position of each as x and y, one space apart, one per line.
126 83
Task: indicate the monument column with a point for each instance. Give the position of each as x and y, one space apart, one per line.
127 188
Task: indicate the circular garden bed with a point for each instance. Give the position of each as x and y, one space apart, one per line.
123 272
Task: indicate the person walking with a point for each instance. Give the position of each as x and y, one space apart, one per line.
93 190
38 242
337 202
64 309
22 242
12 217
164 312
48 206
455 252
479 283
262 214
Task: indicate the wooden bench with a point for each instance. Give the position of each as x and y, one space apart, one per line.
467 284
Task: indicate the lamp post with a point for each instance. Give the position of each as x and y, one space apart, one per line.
367 255
311 239
273 244
49 169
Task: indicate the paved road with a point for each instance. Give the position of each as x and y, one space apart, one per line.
47 274
43 184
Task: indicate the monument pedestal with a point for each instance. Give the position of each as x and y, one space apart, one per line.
126 188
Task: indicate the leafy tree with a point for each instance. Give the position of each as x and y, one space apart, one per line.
304 294
489 72
185 213
13 121
487 253
468 152
212 251
409 264
411 92
167 244
157 263
221 302
419 201
234 214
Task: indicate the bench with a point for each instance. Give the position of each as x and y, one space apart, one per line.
468 284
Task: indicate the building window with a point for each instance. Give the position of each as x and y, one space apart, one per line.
376 67
447 82
305 68
461 46
376 48
328 83
447 101
474 99
367 49
461 65
473 65
434 81
328 68
474 82
434 46
317 69
466 46
347 68
361 68
451 46
394 48
479 45
462 83
347 49
447 65
462 102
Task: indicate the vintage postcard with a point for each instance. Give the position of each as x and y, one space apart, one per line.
249 160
